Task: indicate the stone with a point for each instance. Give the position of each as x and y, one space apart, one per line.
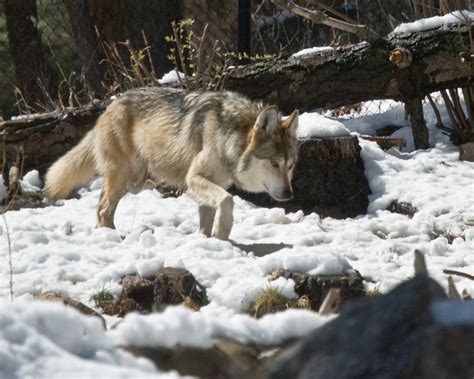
148 294
397 335
402 208
466 152
175 286
140 290
316 287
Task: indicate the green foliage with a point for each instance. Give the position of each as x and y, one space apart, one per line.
103 295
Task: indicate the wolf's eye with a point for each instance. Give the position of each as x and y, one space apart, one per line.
274 163
291 165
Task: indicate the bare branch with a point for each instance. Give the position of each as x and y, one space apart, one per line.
330 9
459 273
318 17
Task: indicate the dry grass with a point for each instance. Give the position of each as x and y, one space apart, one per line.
271 300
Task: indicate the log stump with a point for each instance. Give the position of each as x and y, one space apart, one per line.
328 179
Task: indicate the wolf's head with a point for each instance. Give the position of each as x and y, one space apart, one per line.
270 155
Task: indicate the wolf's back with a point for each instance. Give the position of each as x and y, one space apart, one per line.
76 167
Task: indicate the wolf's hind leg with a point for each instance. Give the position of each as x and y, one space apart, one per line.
113 190
206 219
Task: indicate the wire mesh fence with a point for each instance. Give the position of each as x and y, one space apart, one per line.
53 50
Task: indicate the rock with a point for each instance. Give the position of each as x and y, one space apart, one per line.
140 290
402 208
169 286
225 359
328 179
176 286
397 335
467 152
316 287
60 298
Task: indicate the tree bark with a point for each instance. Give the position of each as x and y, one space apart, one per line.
362 72
414 108
31 68
87 43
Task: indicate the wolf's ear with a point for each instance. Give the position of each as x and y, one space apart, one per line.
268 119
291 122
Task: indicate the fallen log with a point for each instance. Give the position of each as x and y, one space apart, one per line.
401 67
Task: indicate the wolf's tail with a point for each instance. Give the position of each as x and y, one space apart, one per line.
76 167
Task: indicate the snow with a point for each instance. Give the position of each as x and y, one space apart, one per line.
312 50
171 77
48 340
180 325
457 17
316 125
31 182
58 248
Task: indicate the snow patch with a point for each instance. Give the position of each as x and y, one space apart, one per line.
316 125
171 77
457 17
312 50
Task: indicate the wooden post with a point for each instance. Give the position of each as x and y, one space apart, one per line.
414 108
244 40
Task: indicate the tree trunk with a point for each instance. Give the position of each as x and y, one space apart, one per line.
425 62
87 44
31 68
414 109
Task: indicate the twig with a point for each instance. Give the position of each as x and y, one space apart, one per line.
150 59
330 9
439 121
459 273
177 37
318 17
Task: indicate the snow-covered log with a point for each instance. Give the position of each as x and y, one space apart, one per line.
403 66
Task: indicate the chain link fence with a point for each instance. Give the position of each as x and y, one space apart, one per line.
65 39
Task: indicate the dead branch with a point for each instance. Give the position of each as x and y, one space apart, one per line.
318 17
386 142
459 273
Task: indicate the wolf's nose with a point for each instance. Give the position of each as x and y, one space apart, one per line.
287 195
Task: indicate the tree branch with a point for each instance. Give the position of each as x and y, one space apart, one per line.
318 17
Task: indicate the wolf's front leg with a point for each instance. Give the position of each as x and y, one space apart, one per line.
210 196
215 203
206 219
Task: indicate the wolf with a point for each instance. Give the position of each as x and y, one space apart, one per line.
199 142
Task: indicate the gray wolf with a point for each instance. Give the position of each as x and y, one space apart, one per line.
199 142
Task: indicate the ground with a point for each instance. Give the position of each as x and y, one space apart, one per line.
57 248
